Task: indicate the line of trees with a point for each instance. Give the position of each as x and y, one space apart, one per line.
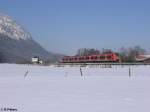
129 54
126 54
92 51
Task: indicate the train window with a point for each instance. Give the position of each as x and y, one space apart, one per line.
108 57
95 57
87 58
102 57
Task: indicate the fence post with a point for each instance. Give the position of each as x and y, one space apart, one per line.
25 75
129 72
81 72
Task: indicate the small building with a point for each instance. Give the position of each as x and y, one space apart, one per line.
36 60
143 58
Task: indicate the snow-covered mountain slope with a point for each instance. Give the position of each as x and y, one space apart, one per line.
17 44
10 28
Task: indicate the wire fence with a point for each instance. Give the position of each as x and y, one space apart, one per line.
74 70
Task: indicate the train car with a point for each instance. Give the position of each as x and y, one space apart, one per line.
111 57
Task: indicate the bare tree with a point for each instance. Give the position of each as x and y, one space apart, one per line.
129 54
85 52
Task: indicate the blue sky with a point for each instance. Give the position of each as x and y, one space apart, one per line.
63 26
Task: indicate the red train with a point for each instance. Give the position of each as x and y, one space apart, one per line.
111 57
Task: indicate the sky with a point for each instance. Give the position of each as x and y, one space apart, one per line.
63 26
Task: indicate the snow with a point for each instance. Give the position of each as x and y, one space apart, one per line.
12 29
62 89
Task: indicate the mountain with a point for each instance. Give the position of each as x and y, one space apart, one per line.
17 44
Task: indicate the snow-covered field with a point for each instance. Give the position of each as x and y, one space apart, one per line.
62 89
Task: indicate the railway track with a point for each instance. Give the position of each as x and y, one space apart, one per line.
105 64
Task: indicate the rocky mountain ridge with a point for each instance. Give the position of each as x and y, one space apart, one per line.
17 44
